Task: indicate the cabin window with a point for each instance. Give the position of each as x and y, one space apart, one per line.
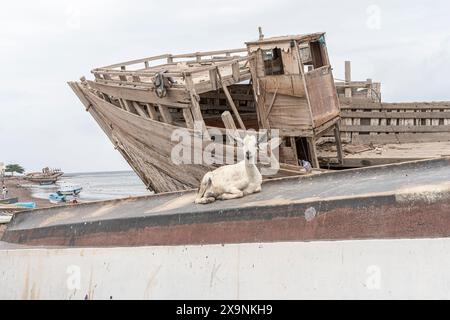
317 54
273 63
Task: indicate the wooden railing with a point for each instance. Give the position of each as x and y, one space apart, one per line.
123 74
357 89
395 122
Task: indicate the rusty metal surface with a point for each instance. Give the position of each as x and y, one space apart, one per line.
404 200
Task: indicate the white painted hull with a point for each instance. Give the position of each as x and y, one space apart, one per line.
374 269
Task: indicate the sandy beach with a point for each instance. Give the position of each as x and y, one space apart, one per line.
24 194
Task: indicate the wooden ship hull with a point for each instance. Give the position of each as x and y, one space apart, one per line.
211 89
282 83
46 177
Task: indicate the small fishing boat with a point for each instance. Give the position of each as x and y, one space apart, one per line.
5 218
70 189
9 200
17 206
25 205
57 198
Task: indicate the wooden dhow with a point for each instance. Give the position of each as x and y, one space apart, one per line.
281 83
140 103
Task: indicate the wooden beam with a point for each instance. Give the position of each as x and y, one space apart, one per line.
152 111
188 118
337 138
213 78
313 152
230 101
195 106
140 110
400 115
235 71
272 102
228 121
348 79
393 129
367 105
165 113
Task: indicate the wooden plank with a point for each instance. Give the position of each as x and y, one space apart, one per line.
348 79
195 106
402 138
79 93
213 78
313 152
228 121
140 110
392 129
165 114
322 95
230 101
235 71
144 95
271 103
188 118
337 139
152 112
389 115
367 105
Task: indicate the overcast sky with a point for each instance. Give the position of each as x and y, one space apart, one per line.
44 44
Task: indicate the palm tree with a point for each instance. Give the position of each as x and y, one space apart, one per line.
14 168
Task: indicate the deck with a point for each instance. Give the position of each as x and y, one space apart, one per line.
395 201
380 154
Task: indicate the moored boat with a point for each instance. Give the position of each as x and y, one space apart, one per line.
69 189
46 177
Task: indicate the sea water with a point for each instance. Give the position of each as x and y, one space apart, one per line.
97 185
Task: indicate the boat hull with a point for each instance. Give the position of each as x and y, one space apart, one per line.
410 200
376 269
315 242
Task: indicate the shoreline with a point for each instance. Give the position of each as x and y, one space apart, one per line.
15 190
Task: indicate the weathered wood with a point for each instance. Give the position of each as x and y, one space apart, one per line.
313 152
271 103
213 79
389 115
152 111
144 95
188 118
368 105
235 71
195 106
383 138
77 90
165 114
228 121
393 129
230 101
337 138
348 79
140 110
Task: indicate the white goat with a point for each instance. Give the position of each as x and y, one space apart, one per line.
233 181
